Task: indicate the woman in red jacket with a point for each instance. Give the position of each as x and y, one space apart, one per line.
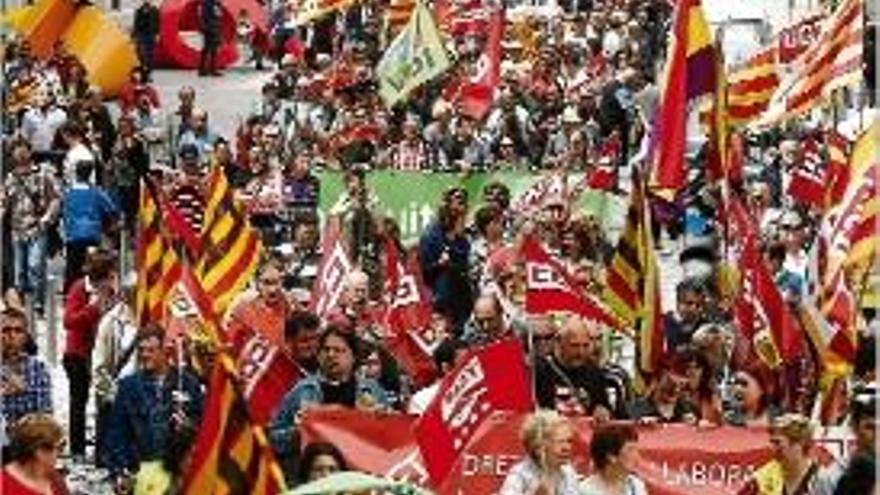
88 299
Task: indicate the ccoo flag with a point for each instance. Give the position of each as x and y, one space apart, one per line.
414 57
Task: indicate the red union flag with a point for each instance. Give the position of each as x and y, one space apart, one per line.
408 317
335 267
550 288
796 39
265 373
488 379
760 305
477 93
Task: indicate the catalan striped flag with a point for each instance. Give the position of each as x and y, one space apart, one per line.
854 232
230 247
751 86
833 62
847 246
231 455
690 73
312 10
397 15
828 314
632 282
159 266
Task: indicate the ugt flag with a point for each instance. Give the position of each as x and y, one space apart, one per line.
414 57
488 379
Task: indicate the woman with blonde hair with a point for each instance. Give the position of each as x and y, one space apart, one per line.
546 468
35 441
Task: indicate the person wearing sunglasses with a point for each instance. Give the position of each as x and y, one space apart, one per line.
24 380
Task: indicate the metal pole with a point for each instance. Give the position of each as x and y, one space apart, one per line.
4 45
51 319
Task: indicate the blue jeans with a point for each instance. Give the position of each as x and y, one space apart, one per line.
29 258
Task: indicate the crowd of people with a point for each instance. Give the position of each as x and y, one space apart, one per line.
578 90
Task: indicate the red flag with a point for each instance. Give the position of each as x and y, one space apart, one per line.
806 186
760 304
550 288
837 169
476 94
604 175
488 379
335 267
550 187
408 317
265 373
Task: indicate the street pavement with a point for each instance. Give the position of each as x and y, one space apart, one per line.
228 99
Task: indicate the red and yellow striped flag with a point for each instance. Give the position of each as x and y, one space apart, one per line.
833 62
632 280
855 225
397 15
837 168
751 86
311 10
159 266
230 247
231 455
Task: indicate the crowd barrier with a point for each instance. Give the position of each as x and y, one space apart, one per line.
674 459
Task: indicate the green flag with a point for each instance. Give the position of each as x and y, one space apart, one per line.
414 57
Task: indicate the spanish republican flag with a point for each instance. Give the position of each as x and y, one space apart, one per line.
691 72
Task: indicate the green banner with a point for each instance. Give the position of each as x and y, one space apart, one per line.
414 57
412 198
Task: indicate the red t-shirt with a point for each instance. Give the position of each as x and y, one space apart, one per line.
10 485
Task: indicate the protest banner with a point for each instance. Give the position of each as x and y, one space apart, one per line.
674 459
415 206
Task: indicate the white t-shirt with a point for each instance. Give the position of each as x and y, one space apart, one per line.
80 152
594 486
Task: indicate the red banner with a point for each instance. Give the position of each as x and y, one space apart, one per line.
468 396
675 459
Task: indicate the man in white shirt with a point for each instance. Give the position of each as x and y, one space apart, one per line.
74 136
113 356
41 122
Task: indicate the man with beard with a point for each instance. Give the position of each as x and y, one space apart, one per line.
335 383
